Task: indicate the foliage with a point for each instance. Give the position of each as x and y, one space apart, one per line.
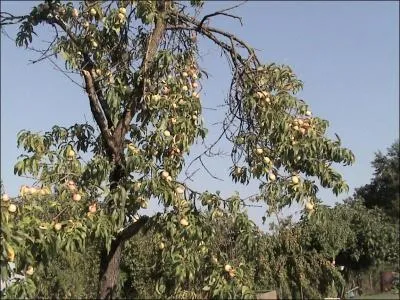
375 210
384 189
140 64
375 240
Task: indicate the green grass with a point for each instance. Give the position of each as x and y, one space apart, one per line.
379 296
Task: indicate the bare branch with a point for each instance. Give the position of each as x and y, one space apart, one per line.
223 12
208 171
98 112
9 19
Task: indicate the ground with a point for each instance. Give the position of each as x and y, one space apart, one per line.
379 296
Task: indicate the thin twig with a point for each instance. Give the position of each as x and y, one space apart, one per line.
223 12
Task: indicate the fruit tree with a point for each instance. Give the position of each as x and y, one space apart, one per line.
139 64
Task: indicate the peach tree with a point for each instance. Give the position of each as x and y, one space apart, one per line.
139 64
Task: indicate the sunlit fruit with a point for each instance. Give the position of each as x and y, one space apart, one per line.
308 113
93 12
164 174
300 122
179 190
137 186
94 44
259 151
92 208
194 76
155 97
29 271
5 198
23 190
132 148
302 130
267 160
10 253
169 178
76 197
295 179
232 273
185 74
12 208
70 153
173 120
161 246
98 72
296 127
194 117
122 10
238 170
86 24
58 226
184 222
167 133
259 95
272 176
228 268
196 95
184 88
75 13
195 85
268 100
32 191
42 192
183 203
143 204
309 205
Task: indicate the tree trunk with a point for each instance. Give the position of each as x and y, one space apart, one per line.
109 271
110 261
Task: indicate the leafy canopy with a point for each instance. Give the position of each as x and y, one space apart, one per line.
139 61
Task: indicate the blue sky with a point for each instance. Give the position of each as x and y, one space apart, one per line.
346 53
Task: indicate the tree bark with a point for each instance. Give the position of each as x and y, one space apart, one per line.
110 262
109 271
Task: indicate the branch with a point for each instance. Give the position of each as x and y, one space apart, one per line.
97 111
101 115
208 171
223 12
132 229
208 32
152 46
242 200
9 19
208 149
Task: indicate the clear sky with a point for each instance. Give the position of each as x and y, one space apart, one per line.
346 53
